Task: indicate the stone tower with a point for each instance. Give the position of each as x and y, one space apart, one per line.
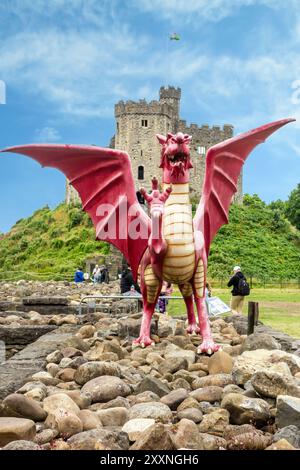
136 126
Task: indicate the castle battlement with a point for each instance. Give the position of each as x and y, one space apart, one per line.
169 92
142 107
137 123
227 128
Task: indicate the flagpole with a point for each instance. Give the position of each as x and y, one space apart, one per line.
166 61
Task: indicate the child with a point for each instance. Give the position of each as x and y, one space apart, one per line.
165 291
207 296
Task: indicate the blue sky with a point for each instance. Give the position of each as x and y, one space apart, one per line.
65 63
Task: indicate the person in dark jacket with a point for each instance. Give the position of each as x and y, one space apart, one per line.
79 276
127 281
237 300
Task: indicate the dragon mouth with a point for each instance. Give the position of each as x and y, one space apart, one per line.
177 159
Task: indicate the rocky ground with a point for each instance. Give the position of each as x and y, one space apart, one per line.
97 392
14 291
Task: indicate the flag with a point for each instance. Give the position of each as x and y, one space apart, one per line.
174 37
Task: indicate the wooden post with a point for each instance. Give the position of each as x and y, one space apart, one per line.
253 312
156 319
256 315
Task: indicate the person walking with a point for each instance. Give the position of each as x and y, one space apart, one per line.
94 271
208 295
166 291
127 281
79 276
97 276
240 289
104 275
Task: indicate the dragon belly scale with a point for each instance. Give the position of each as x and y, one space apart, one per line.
179 261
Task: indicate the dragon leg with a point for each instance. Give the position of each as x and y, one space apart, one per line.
208 345
187 294
150 287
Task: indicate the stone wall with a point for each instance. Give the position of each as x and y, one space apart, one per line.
136 126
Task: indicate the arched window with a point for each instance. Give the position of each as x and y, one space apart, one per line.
140 172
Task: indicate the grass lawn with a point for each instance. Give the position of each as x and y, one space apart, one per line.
277 308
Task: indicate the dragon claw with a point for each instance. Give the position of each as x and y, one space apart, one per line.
208 346
143 342
193 329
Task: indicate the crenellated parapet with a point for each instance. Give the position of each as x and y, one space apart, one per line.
137 123
142 107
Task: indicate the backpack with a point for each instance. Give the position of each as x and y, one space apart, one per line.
243 287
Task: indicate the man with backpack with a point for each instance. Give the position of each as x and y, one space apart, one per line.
240 288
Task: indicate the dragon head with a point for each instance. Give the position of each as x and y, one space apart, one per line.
175 157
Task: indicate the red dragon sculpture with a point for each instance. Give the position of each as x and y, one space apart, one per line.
169 245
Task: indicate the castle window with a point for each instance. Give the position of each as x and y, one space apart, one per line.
144 122
201 150
140 172
141 153
118 127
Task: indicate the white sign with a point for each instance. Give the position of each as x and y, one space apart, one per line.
216 306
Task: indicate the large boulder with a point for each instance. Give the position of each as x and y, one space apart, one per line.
60 401
249 441
172 365
291 433
77 343
153 385
113 416
211 393
91 370
65 422
220 362
246 410
174 353
260 341
106 388
155 437
13 429
100 439
152 410
192 414
271 384
250 362
89 419
288 411
136 427
282 444
218 380
187 435
23 407
215 422
22 445
174 398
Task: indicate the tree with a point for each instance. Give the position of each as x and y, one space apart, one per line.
253 201
293 207
278 205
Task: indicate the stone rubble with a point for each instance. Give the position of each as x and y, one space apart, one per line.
97 392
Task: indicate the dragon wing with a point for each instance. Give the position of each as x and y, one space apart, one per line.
103 178
224 163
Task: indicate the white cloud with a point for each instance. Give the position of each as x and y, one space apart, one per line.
47 134
185 11
82 73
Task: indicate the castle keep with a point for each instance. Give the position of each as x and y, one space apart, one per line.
136 126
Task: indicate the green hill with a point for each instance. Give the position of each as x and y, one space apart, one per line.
259 239
52 243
